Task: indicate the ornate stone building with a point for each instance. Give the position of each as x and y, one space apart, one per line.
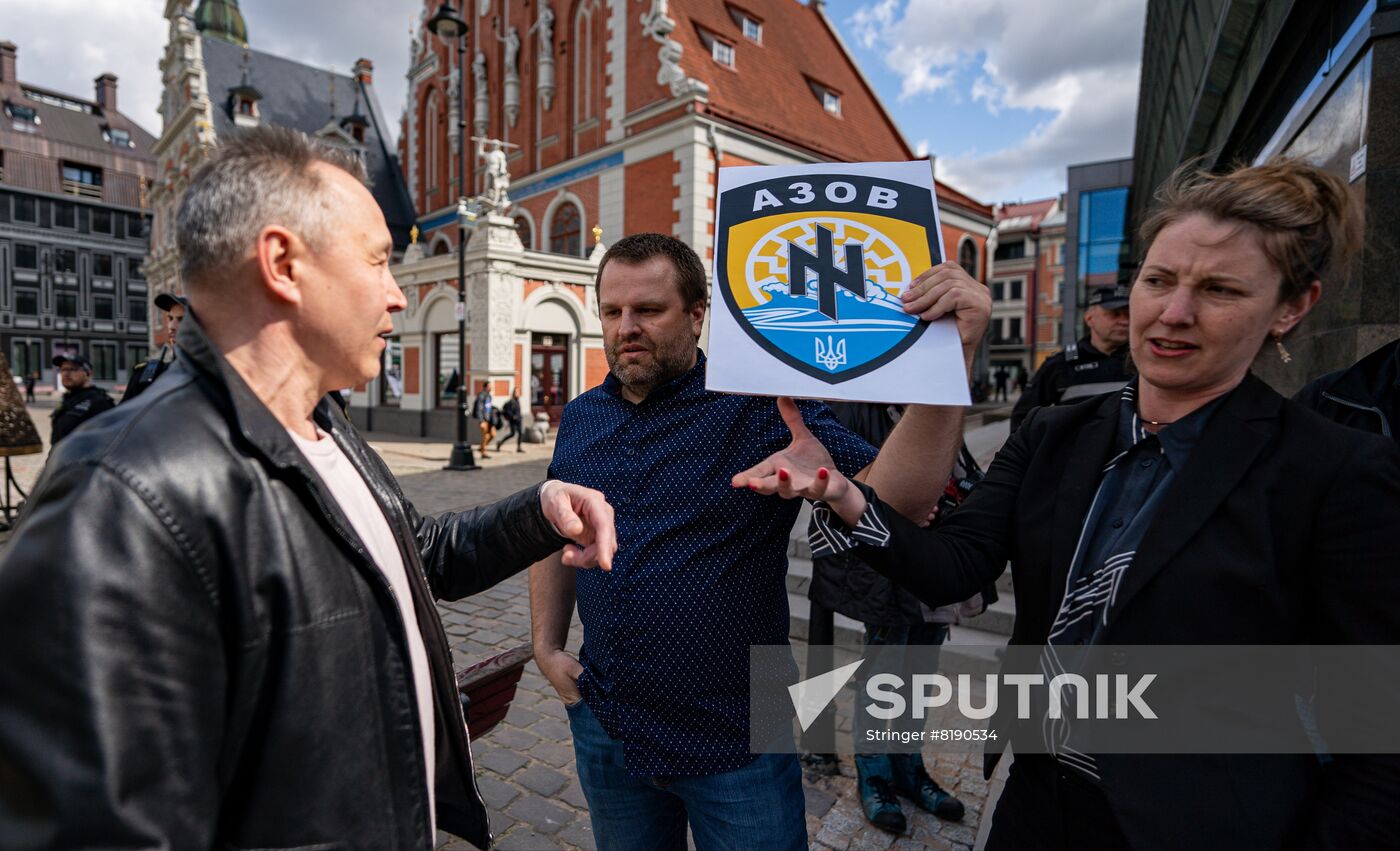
615 115
214 84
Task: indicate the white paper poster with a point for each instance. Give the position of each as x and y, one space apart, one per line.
810 262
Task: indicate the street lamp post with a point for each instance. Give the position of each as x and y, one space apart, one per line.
449 26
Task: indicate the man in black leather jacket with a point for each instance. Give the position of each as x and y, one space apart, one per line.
203 646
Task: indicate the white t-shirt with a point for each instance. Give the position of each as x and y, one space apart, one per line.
367 518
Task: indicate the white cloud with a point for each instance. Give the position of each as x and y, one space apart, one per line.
127 37
64 44
1075 59
1090 128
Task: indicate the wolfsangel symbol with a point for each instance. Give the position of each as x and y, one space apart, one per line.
812 267
831 356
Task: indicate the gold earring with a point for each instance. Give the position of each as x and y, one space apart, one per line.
1283 354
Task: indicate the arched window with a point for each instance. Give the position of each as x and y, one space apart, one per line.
585 56
432 144
566 231
441 246
522 228
967 257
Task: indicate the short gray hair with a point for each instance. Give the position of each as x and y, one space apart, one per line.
260 176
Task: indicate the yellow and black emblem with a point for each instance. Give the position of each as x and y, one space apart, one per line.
812 268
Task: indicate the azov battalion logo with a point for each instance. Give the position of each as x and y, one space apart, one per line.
814 266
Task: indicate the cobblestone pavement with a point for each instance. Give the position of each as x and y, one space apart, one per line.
525 765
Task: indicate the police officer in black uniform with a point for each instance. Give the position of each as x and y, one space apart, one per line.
145 373
82 402
1092 365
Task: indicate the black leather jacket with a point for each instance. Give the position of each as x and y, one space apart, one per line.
198 651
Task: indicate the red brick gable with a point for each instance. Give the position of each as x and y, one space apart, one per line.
1036 210
949 195
769 89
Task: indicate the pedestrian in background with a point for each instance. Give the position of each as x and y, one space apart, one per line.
1215 510
30 379
1094 364
511 412
82 400
892 617
145 373
484 409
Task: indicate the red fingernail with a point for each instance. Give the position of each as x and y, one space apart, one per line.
822 473
753 486
782 475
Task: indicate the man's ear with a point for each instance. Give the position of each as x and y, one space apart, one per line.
279 259
697 317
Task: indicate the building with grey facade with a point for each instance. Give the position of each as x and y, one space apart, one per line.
1097 243
74 228
1240 81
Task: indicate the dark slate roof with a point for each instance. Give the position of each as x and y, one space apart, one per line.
61 124
298 96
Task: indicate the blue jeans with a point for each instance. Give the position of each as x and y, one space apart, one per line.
758 806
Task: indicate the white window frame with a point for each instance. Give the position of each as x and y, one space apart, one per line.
722 52
753 29
831 102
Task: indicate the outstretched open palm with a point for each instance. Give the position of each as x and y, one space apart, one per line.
803 469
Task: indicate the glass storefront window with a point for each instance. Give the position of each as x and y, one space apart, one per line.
391 383
449 380
1103 216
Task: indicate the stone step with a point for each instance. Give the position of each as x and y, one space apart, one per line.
1004 583
974 651
799 576
1000 616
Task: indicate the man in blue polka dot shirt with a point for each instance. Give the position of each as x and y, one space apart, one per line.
658 700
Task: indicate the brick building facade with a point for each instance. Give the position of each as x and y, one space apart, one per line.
620 112
1026 281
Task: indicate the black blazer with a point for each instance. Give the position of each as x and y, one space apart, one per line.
1280 529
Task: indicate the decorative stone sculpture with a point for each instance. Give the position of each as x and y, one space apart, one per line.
512 100
482 119
544 57
659 25
454 79
497 173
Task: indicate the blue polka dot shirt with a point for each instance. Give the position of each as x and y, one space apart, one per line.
699 572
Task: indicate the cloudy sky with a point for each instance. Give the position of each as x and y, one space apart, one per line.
1006 93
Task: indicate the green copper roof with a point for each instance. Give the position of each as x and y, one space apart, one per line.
221 19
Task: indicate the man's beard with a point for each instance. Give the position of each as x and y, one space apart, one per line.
668 360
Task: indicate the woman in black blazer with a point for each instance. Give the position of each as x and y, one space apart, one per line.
1198 506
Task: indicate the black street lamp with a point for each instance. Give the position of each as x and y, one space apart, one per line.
449 26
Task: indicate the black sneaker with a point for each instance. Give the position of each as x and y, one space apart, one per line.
914 783
880 804
825 764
